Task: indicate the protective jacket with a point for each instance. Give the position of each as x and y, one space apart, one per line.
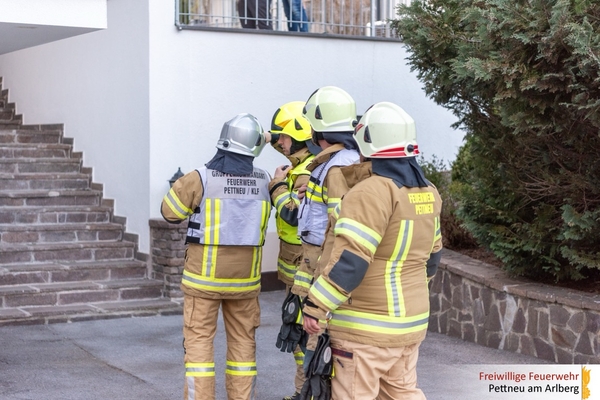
318 202
284 196
339 182
228 221
375 279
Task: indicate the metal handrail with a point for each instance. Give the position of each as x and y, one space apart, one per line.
364 18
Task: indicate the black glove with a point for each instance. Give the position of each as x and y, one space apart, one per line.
318 374
291 333
290 336
316 388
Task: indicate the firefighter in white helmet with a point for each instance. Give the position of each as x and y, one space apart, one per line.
332 115
228 205
385 244
291 135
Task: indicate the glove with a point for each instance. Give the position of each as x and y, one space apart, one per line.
316 388
318 374
290 336
291 333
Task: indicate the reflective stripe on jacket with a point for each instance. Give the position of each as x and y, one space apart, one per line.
208 280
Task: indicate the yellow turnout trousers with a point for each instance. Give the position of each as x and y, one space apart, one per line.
241 318
368 372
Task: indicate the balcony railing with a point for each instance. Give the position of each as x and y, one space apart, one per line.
368 18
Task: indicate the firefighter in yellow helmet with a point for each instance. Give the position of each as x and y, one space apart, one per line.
227 203
331 112
291 135
386 243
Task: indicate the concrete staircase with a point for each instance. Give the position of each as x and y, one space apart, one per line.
64 256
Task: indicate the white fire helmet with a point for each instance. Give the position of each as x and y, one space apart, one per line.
386 131
330 109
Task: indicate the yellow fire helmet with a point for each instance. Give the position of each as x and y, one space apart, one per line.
288 119
386 131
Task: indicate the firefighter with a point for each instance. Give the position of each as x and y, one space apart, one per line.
331 113
386 243
291 135
228 205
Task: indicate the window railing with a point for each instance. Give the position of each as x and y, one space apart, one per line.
338 17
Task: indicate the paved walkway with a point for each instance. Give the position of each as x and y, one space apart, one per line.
141 358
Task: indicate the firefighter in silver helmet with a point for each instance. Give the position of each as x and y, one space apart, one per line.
227 203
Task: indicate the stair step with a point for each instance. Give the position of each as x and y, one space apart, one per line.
81 251
25 165
86 312
6 115
5 125
11 118
60 233
66 293
54 214
23 274
28 150
5 105
64 257
72 181
13 132
36 198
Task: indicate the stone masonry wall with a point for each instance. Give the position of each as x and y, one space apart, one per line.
167 247
479 303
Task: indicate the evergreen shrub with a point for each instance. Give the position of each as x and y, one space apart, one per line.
522 76
454 235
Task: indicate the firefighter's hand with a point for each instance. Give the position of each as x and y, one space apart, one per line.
301 191
311 325
281 171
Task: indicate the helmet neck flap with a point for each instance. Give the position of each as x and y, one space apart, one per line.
231 163
403 171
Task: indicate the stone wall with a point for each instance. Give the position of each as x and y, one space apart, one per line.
479 303
167 248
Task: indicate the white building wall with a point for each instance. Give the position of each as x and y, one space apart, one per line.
142 98
96 84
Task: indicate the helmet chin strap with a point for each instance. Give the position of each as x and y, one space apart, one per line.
296 146
316 136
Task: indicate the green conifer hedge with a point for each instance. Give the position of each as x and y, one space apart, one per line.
523 78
